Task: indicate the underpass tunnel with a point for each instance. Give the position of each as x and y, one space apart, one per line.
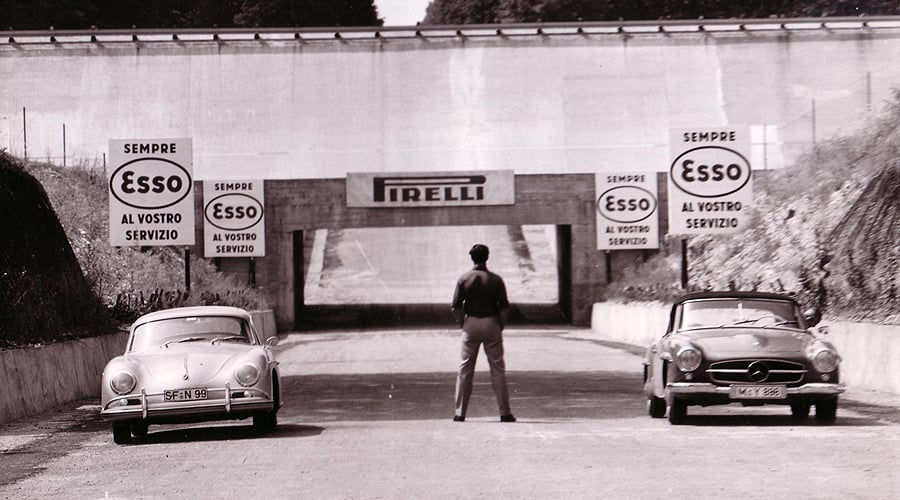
405 276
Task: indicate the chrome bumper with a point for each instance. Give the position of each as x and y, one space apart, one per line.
820 389
118 408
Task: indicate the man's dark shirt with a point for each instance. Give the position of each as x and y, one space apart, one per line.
480 293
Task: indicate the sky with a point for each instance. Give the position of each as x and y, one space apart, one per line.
401 12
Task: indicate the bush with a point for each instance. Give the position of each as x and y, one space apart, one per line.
832 243
74 283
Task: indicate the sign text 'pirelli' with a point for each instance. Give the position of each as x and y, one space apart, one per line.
495 187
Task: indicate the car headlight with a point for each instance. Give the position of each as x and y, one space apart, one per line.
688 359
247 374
122 383
825 361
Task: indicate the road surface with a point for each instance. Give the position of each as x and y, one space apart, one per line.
368 415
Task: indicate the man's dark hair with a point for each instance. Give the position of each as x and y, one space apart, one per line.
479 253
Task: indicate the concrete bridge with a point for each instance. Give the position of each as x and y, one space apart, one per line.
553 103
560 98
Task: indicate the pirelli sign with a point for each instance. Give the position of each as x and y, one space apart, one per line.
432 189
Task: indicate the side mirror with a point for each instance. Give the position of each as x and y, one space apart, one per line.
271 341
812 317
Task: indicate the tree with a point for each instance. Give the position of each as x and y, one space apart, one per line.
111 14
529 11
273 13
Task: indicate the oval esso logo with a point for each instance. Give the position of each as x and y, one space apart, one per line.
150 183
234 212
710 171
626 204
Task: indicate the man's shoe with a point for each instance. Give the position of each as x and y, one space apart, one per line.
507 418
459 418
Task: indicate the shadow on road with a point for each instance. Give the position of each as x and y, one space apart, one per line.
417 396
232 432
770 420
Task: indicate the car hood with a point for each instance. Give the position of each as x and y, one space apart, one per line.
751 341
174 365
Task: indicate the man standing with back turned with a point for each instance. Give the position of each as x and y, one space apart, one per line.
481 308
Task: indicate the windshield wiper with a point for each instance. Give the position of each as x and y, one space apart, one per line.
754 320
185 339
229 337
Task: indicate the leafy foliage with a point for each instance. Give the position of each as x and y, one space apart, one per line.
832 242
110 14
43 293
522 11
59 276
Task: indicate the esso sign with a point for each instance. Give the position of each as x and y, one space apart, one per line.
234 212
150 183
710 171
626 204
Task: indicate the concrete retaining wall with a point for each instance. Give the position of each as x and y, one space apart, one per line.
870 352
39 378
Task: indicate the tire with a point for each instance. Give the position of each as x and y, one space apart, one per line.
826 411
267 421
800 410
121 433
139 429
677 411
656 407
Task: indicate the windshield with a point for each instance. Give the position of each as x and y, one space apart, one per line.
166 332
725 313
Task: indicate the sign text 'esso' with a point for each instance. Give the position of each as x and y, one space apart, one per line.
234 212
710 171
626 204
150 183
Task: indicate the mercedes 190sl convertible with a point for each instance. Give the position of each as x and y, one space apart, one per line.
191 364
741 347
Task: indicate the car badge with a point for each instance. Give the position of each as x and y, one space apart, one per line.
758 371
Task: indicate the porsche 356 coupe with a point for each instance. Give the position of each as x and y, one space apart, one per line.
191 364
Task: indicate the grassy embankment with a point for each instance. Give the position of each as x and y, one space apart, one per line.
59 276
825 229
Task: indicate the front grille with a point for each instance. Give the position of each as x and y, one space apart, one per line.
755 371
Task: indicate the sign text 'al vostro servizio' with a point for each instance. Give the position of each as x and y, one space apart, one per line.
151 192
710 180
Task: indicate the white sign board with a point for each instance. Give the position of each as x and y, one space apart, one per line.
432 189
710 180
234 223
627 211
151 192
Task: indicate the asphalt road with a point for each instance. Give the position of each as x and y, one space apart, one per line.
368 415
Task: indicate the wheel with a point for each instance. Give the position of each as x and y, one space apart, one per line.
268 421
121 433
139 429
800 410
265 422
826 411
677 411
656 407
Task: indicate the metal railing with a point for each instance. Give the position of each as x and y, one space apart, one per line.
620 28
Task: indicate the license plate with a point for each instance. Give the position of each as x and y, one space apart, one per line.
185 394
757 392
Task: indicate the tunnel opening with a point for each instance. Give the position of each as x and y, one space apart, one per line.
401 277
